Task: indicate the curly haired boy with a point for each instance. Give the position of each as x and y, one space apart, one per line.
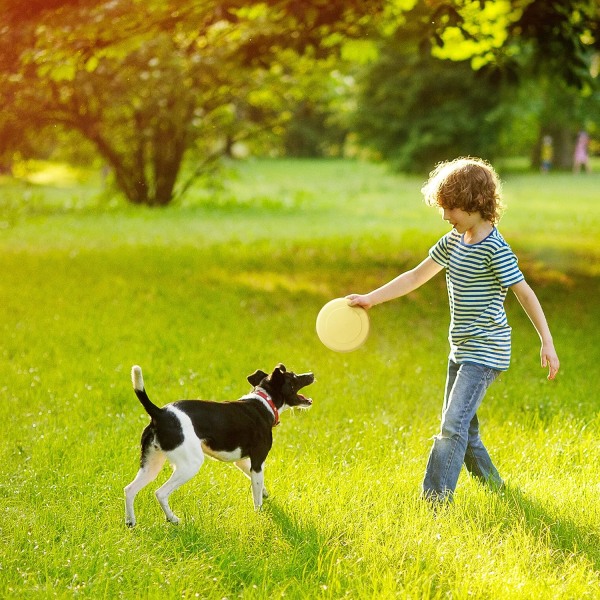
480 268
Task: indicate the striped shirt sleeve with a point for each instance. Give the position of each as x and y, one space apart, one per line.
439 251
505 268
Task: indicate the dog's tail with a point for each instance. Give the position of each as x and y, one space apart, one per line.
138 386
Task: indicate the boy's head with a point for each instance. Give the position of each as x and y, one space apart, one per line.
470 184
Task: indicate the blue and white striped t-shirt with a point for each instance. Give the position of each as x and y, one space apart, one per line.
478 277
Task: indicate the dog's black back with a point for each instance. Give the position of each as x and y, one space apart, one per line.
227 426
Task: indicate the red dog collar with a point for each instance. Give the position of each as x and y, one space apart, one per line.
264 396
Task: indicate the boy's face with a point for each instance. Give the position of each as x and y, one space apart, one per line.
461 220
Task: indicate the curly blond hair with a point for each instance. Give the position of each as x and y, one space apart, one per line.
470 184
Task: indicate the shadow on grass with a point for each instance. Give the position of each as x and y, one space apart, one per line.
286 554
558 532
312 549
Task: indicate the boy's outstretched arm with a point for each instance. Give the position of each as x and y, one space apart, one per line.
400 286
531 305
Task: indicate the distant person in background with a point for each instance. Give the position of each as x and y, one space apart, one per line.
581 159
546 154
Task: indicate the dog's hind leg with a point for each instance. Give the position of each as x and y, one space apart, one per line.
244 466
152 462
186 460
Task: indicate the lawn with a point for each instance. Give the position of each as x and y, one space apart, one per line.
231 280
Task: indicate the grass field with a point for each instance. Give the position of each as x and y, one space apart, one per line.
202 294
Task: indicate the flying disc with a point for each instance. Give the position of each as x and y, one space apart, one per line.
341 327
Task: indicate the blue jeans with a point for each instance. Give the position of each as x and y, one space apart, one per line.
458 440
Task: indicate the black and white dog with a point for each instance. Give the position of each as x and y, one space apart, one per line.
240 431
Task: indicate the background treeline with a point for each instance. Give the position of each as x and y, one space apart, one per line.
157 91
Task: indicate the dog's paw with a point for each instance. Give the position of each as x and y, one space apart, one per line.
130 523
173 519
265 494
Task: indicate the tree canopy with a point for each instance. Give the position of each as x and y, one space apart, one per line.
149 81
521 36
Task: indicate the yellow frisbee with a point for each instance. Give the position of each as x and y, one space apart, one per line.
341 327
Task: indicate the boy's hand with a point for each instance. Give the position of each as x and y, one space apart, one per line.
550 359
363 300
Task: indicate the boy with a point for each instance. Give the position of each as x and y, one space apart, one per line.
480 267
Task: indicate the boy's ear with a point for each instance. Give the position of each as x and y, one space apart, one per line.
256 377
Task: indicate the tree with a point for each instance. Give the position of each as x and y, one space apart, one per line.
147 80
549 54
141 89
416 110
520 37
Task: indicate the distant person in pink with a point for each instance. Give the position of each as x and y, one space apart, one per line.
581 157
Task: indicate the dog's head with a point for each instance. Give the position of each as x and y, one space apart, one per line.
283 386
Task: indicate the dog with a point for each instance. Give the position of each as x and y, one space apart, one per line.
239 431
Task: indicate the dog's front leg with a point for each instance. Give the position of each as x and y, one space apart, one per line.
244 466
258 486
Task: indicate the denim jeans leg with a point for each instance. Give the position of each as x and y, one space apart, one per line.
465 388
478 461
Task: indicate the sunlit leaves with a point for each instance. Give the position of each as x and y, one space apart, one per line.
531 36
359 51
482 31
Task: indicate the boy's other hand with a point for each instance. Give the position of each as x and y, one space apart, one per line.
550 360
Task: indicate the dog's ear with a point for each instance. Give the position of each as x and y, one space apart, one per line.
277 375
256 377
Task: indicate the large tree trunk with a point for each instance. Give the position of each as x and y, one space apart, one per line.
147 174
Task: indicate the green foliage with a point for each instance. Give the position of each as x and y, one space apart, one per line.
116 89
203 294
547 106
416 110
319 113
518 39
145 82
150 83
502 82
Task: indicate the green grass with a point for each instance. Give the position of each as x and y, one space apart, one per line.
201 295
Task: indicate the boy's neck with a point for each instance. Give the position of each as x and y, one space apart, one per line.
477 233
